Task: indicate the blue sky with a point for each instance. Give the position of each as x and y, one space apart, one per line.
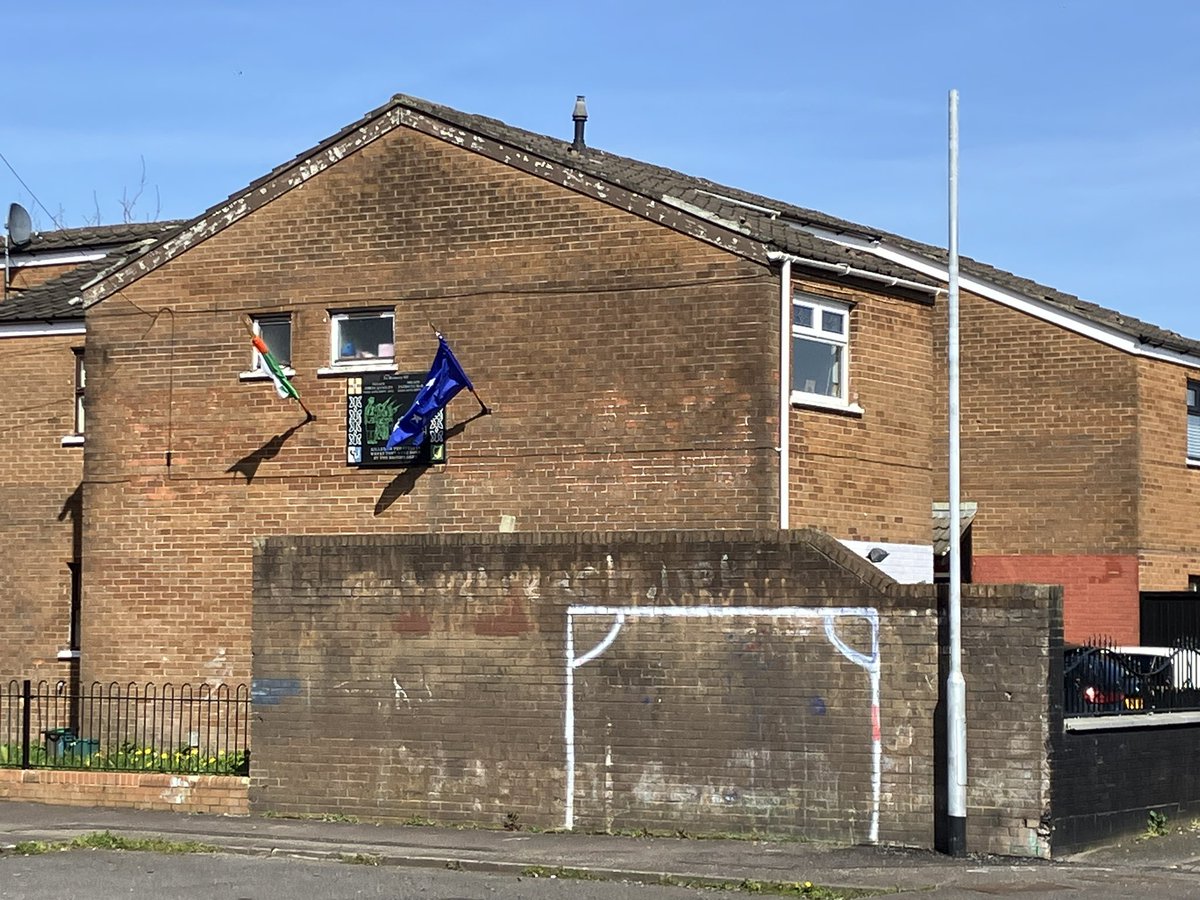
1080 121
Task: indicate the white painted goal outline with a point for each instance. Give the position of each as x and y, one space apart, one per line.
620 614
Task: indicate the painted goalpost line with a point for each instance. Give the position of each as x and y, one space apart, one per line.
620 614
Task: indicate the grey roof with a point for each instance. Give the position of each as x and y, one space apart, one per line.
775 223
941 524
686 191
94 237
52 300
652 182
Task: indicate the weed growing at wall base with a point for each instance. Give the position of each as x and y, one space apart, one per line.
1156 824
746 885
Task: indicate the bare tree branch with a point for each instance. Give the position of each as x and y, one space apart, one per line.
127 202
93 219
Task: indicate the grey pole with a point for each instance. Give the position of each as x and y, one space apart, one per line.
956 686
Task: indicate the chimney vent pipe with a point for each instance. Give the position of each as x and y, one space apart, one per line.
580 118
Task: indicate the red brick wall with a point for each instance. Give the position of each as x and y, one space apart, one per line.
1100 593
39 503
1169 514
1050 453
1049 436
216 794
632 374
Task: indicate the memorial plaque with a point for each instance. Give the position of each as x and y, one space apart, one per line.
374 403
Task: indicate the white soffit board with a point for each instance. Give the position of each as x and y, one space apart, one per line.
41 329
55 258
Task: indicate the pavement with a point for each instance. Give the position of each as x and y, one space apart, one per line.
1166 866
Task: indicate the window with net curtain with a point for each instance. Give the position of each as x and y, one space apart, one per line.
362 335
820 339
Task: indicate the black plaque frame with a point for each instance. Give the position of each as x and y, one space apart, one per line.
373 404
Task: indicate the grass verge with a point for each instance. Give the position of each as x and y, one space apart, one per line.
106 840
746 886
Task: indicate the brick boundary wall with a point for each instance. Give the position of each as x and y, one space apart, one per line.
217 794
1106 783
422 676
1011 642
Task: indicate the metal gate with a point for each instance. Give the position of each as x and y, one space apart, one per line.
1167 616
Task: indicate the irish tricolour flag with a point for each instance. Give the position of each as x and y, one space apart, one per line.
283 387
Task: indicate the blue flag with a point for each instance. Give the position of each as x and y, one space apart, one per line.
446 378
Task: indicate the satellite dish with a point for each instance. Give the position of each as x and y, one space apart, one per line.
19 225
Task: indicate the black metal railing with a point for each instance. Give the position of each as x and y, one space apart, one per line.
183 728
1102 678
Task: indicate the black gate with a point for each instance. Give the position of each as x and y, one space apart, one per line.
1168 616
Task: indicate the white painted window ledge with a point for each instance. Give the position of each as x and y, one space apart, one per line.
72 440
830 404
263 374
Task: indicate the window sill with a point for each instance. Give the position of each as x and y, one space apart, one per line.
357 368
68 654
72 440
260 375
1193 463
831 404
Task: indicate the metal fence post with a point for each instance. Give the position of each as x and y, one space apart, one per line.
26 695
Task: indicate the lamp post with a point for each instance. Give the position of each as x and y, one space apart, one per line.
956 687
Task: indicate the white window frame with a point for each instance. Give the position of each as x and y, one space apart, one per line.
817 333
257 370
337 365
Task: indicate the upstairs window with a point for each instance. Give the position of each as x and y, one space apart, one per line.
820 345
362 336
80 384
276 332
1193 421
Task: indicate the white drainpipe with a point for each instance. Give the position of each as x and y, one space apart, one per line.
785 390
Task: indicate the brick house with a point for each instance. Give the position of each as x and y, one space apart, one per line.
41 443
628 345
511 241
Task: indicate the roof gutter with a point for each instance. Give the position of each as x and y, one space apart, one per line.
851 272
